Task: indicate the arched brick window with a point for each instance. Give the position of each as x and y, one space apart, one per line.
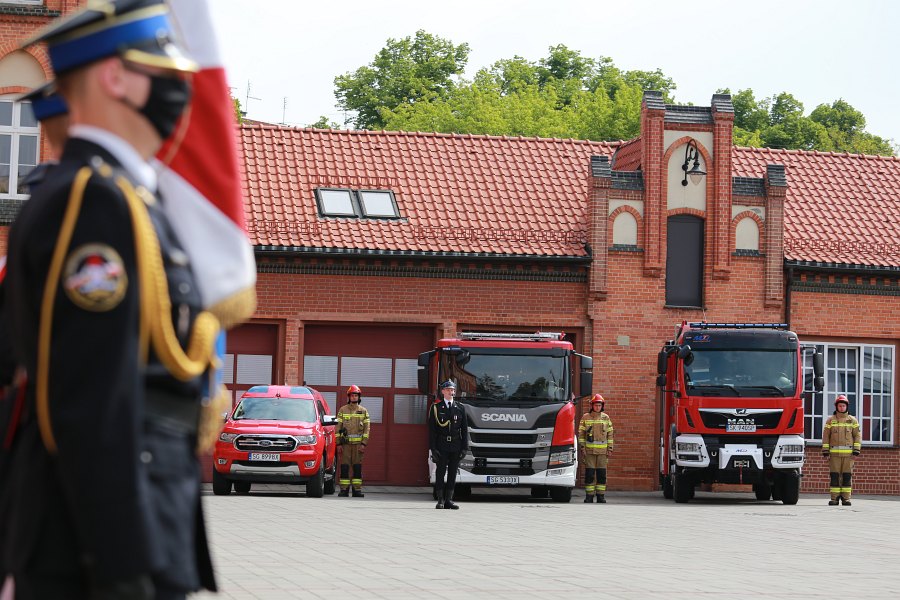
625 229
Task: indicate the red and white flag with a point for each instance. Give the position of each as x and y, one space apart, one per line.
201 179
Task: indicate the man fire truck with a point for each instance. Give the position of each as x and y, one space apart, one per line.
731 409
519 394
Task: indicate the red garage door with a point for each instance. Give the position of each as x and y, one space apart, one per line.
382 360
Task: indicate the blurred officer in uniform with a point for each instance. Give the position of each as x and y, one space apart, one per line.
51 111
105 315
841 445
448 437
353 435
595 444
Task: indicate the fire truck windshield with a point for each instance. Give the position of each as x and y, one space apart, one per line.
508 377
741 372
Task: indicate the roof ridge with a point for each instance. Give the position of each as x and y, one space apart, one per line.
755 150
430 134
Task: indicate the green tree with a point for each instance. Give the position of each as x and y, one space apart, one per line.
404 72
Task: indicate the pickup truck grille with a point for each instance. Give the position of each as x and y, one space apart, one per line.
265 443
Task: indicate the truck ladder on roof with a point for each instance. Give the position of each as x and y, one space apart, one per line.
538 336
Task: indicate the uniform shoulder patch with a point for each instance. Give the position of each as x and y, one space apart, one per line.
94 277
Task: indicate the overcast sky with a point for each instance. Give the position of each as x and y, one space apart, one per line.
289 51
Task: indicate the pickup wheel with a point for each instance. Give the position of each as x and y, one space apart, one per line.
560 494
315 487
667 489
242 487
330 479
221 485
790 489
682 488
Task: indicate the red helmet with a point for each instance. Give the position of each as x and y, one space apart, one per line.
598 399
354 389
841 398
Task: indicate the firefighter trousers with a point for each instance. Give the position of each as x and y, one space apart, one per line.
351 456
841 473
595 474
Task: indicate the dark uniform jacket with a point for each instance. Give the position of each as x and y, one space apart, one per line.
119 496
447 428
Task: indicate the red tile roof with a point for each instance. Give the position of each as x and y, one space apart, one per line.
456 193
528 196
840 208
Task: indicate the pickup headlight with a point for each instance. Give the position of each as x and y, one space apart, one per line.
227 437
306 440
792 449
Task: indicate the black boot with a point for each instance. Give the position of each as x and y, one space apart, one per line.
344 493
601 499
448 499
358 494
845 501
833 502
588 498
440 500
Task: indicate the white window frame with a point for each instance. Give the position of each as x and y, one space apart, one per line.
850 379
37 2
15 131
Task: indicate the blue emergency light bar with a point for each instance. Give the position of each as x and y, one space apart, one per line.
738 325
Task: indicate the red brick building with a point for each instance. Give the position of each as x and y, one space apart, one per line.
372 245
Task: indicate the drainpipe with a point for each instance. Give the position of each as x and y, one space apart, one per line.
787 297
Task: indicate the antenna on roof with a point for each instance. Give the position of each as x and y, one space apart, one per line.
247 101
283 109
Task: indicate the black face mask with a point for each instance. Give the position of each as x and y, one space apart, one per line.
165 104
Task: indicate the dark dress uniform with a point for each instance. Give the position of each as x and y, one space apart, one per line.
104 479
448 437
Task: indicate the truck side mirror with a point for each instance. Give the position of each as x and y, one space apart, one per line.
329 420
819 383
463 357
686 354
819 364
585 383
425 358
587 362
662 362
661 380
422 375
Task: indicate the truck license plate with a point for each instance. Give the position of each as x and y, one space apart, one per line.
272 456
741 427
502 480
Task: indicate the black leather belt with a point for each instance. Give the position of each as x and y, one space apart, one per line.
175 412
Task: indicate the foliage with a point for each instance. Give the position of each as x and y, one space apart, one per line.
779 122
238 112
324 123
416 84
404 72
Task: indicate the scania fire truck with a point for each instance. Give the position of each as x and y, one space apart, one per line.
518 391
731 409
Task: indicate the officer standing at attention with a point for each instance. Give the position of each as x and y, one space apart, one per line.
841 445
448 437
353 435
106 319
595 443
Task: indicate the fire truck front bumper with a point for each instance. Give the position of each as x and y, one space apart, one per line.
698 451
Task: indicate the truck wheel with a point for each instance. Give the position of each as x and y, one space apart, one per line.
762 490
315 487
221 486
560 494
540 491
242 487
330 478
682 488
777 486
790 491
668 491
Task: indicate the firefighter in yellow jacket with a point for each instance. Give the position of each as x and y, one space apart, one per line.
595 443
353 435
840 444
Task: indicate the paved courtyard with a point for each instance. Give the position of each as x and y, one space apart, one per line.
275 543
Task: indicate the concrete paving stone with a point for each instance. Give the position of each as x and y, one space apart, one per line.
276 543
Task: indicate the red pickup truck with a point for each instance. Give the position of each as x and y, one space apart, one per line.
277 434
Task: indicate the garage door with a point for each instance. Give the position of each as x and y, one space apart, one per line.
251 350
381 360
